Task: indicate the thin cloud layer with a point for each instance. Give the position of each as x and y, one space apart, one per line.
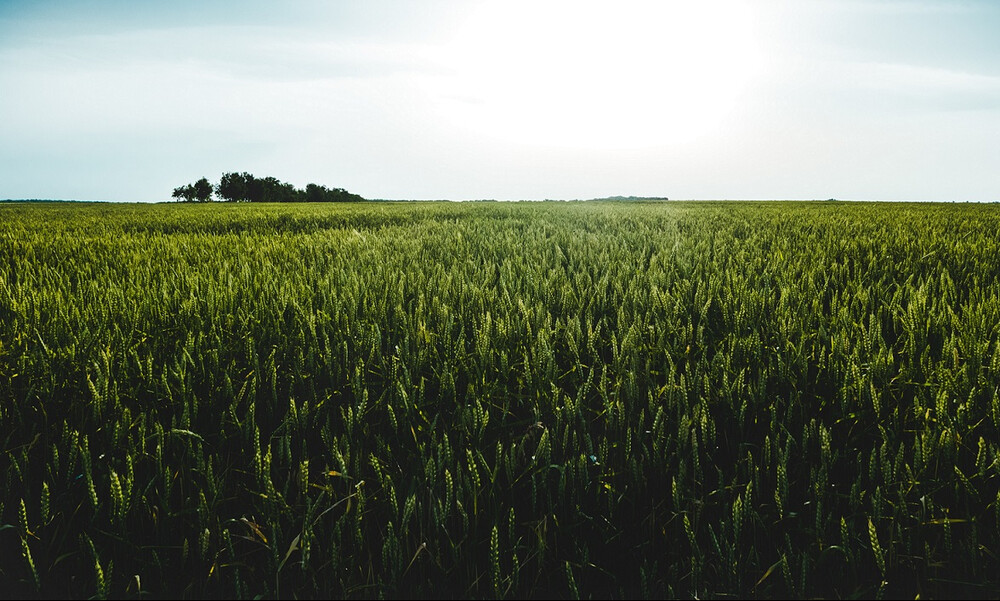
108 100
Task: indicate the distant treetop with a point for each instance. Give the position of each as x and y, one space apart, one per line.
633 198
200 191
244 187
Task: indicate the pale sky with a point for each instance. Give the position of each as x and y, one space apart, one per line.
508 99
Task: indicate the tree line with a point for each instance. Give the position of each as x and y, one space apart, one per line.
244 187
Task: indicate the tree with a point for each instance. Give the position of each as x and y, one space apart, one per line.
244 187
255 189
271 189
184 193
314 193
202 190
317 193
234 187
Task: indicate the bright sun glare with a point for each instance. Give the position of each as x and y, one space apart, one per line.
587 74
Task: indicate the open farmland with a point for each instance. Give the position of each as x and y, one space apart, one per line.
500 400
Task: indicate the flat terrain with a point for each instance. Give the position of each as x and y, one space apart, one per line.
500 400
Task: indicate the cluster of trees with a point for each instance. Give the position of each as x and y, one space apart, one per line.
244 187
631 198
200 191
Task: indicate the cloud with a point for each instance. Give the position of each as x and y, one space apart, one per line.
905 87
253 51
199 77
934 87
884 6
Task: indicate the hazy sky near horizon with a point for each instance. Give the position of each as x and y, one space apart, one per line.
505 99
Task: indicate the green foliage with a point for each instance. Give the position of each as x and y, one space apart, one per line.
200 191
500 400
244 187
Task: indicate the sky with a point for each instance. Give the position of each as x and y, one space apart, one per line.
504 99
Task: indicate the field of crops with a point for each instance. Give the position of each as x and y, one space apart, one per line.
500 400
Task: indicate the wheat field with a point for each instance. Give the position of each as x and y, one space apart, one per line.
493 400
